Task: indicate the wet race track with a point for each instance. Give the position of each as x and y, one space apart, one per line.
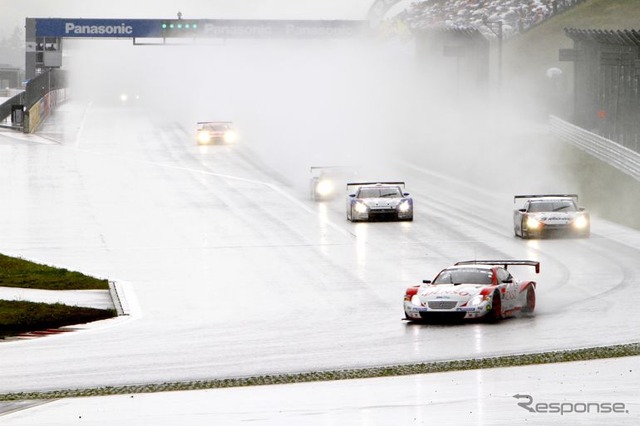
230 270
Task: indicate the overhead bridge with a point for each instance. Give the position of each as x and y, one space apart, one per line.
44 35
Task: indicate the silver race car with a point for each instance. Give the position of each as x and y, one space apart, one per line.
475 289
550 215
381 200
325 181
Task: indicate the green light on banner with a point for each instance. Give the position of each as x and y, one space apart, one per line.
179 28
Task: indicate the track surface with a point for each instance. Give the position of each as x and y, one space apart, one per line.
232 271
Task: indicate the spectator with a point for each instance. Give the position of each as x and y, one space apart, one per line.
516 15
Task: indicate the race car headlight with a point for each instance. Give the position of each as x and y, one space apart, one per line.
360 207
476 300
404 206
533 223
203 136
581 222
324 188
230 136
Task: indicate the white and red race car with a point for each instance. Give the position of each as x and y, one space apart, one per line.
215 132
472 289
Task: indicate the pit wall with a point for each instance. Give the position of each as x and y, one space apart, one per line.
41 109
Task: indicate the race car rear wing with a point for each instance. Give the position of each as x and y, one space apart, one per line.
504 263
354 185
545 195
201 124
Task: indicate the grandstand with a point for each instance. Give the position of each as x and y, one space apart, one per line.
516 16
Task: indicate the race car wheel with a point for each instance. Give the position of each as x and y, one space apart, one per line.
530 303
495 314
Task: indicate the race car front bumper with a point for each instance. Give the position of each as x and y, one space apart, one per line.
544 230
362 212
418 312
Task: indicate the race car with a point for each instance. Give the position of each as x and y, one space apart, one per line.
215 132
474 289
381 200
550 214
325 181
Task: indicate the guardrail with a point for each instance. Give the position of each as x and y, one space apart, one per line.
614 154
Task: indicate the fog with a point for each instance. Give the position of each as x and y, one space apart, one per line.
362 103
296 103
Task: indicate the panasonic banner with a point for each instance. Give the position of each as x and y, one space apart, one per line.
190 28
129 28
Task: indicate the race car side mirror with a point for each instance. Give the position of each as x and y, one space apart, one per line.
522 210
426 281
352 195
508 281
406 194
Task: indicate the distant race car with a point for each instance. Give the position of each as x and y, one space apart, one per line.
550 214
475 289
382 200
325 181
215 132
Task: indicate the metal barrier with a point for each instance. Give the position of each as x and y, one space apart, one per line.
38 93
614 154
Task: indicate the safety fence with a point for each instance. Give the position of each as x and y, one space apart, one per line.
614 154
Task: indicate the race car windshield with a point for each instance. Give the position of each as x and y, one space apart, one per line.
552 206
387 192
464 276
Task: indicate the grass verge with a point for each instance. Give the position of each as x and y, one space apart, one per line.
19 316
22 316
16 272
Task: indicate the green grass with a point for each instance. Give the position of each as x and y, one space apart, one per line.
18 316
16 272
22 316
604 190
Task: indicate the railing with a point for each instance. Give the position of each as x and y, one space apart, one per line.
614 154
